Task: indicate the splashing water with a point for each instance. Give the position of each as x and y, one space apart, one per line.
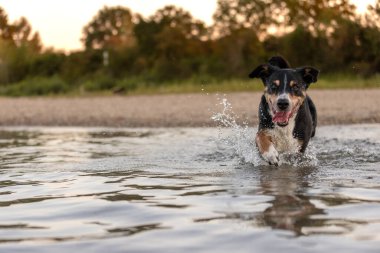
241 140
309 158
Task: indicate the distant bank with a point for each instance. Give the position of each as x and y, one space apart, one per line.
176 110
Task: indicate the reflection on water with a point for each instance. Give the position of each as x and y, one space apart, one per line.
173 190
291 209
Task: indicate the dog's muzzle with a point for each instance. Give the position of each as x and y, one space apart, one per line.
282 111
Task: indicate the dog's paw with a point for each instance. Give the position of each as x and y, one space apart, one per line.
271 156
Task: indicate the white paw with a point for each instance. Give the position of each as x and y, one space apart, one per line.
271 156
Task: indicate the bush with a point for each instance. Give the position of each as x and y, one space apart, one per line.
101 84
36 86
127 85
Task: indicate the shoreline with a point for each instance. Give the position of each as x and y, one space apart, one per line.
334 107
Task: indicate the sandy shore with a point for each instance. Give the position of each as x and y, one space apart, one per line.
334 107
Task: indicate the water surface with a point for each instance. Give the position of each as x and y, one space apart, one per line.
186 190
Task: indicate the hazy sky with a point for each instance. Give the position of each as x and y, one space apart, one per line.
60 23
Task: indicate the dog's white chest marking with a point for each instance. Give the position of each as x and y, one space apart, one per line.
283 139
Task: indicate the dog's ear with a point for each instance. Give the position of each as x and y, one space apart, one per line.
263 71
309 75
279 61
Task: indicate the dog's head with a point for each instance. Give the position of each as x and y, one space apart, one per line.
285 87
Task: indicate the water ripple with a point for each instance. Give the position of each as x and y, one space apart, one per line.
171 190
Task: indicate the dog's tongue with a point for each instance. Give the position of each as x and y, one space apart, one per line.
281 117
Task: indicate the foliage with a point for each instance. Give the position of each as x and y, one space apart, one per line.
127 53
111 27
18 47
101 83
36 86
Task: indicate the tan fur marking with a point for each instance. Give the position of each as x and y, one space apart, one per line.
276 82
292 83
263 141
296 101
271 99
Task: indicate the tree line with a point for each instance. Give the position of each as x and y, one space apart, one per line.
122 49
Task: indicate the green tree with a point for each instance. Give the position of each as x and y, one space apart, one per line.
4 25
166 20
170 43
262 15
18 47
81 65
299 45
237 52
21 33
232 15
112 27
320 16
372 18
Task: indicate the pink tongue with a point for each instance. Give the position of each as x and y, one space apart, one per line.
281 117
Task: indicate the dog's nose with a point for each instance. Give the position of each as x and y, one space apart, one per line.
283 104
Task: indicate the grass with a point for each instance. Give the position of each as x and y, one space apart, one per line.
200 87
235 85
339 81
134 86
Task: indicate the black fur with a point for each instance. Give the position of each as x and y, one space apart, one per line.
263 71
313 112
264 115
304 127
279 61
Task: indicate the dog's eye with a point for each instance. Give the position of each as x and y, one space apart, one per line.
274 86
296 87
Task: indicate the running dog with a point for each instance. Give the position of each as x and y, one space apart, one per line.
287 116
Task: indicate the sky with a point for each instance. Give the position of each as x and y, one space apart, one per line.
60 23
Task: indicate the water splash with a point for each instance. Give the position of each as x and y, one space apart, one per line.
309 158
241 139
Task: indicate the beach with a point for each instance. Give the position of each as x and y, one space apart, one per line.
177 110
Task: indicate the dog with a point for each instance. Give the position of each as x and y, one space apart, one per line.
287 115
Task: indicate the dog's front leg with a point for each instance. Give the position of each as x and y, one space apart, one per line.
266 147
